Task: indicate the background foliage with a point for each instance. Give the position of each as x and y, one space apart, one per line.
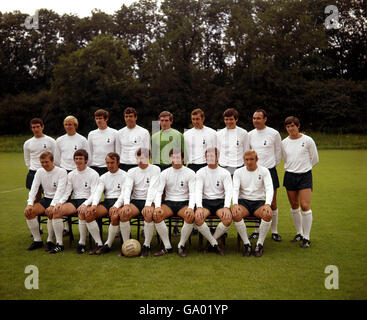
181 54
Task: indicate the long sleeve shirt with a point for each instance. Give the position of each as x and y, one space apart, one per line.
178 184
268 145
253 185
53 183
101 142
299 155
213 184
33 148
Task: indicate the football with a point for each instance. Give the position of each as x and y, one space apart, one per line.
131 248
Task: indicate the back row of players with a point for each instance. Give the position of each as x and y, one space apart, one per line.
250 158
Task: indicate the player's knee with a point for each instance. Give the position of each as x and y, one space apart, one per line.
305 206
124 217
267 217
227 222
199 221
189 220
81 216
90 217
115 219
236 216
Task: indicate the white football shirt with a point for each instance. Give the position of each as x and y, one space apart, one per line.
33 148
101 142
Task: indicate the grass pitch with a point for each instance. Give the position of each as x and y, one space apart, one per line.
285 271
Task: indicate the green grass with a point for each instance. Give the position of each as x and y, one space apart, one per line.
284 272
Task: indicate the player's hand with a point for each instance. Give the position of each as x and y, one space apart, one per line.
199 213
126 209
157 214
113 211
50 212
147 210
190 214
236 209
57 208
28 211
267 210
82 209
227 214
93 209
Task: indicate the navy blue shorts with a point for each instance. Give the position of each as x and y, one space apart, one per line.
297 181
140 204
196 167
29 180
213 205
251 205
108 203
274 177
76 202
126 167
45 202
100 170
176 206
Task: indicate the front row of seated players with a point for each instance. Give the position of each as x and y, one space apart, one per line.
211 189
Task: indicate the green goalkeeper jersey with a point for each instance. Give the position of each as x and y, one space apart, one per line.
163 142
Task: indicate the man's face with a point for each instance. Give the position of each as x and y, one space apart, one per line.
292 129
47 164
211 158
101 122
80 162
176 160
197 121
230 122
37 129
142 160
258 120
250 162
112 164
165 123
69 127
130 120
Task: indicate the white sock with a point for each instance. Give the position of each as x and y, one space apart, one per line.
34 227
125 230
163 233
58 229
205 231
148 233
307 223
82 231
94 231
185 233
220 230
263 231
112 230
50 231
297 219
242 231
274 222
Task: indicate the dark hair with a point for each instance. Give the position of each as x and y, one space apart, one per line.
81 153
102 113
231 112
212 149
265 115
292 119
166 114
113 155
36 121
129 110
143 151
177 151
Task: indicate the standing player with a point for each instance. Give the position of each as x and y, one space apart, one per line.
213 196
162 142
112 185
101 141
251 184
67 144
53 179
268 145
140 189
232 142
197 140
300 156
33 148
178 182
130 139
82 183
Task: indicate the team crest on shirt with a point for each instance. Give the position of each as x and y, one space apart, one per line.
181 183
204 142
303 144
44 146
86 184
218 183
148 180
118 186
237 143
259 178
108 140
75 147
55 185
265 143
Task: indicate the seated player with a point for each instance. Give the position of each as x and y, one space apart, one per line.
112 184
82 182
213 196
140 190
178 182
251 184
53 179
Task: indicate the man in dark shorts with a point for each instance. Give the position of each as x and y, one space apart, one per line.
252 196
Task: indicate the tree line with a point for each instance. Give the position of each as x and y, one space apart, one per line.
289 57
